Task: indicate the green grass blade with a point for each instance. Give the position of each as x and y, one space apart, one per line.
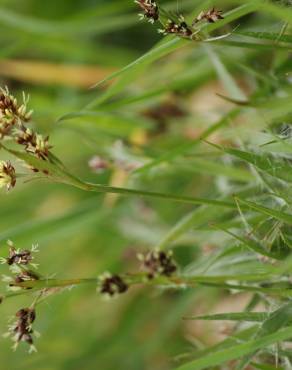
232 316
234 352
279 215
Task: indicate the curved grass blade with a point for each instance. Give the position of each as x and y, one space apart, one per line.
36 26
274 166
232 316
200 216
250 244
279 215
236 351
132 70
275 321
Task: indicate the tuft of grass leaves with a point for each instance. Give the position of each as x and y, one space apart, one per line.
181 156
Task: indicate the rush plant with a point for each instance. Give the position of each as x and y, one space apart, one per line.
177 172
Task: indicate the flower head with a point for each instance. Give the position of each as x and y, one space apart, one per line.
7 175
211 16
20 263
21 330
157 263
150 10
11 113
33 142
112 284
19 257
179 28
22 257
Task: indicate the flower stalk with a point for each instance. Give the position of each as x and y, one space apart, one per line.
175 281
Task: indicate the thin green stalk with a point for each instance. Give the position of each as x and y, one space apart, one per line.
220 281
59 174
143 193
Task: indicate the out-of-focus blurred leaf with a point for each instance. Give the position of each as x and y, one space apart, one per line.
234 352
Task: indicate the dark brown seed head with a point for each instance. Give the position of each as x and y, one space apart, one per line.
33 142
112 284
211 16
22 257
26 316
179 28
150 10
157 263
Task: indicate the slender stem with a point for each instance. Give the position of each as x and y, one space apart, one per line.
178 151
143 193
59 174
177 281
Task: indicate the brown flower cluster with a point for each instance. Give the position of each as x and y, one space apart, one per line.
172 23
21 330
20 262
150 10
112 285
13 120
33 142
11 113
20 257
213 15
157 263
179 28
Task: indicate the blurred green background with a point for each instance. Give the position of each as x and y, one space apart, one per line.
54 51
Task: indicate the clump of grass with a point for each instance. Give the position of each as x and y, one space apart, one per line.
235 168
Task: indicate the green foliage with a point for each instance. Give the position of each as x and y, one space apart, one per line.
159 142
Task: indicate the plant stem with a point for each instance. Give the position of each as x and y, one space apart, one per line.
143 193
164 281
